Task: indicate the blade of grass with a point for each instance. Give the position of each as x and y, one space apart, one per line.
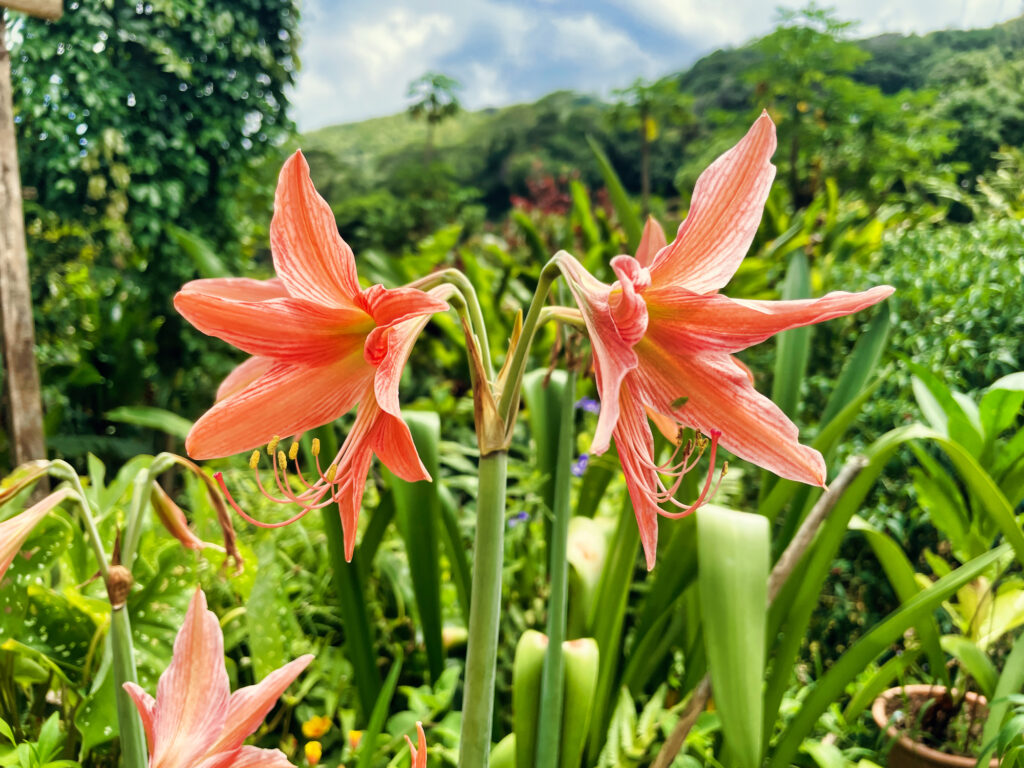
379 713
628 217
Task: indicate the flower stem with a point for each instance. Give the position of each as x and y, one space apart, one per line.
509 401
133 740
485 604
552 689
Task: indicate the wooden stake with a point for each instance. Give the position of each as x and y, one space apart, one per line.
22 376
42 9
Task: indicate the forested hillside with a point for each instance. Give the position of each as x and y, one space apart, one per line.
936 106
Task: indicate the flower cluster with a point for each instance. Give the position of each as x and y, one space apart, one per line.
662 335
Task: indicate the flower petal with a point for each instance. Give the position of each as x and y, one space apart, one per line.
192 695
146 705
720 396
15 530
694 322
243 375
389 349
309 255
634 441
728 201
652 241
285 401
246 757
418 753
248 706
238 288
389 306
613 356
286 329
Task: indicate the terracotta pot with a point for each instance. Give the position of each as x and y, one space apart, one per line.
905 752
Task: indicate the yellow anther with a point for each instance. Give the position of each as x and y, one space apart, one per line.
281 459
272 445
254 460
293 451
316 446
725 468
329 474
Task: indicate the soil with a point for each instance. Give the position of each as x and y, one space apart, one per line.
943 722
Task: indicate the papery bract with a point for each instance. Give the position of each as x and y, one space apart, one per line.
663 339
320 346
195 721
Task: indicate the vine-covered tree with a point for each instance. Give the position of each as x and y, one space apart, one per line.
138 122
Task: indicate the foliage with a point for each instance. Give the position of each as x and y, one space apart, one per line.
132 118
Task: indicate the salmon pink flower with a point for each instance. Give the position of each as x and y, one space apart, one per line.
663 339
320 345
195 721
15 530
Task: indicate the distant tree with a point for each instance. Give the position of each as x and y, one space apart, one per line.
829 124
647 108
434 100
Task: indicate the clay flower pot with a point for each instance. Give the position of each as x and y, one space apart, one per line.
907 753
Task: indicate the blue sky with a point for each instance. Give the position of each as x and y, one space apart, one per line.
358 56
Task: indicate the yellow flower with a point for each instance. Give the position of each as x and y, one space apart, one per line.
314 751
316 726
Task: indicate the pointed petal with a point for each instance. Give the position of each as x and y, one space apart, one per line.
728 201
173 518
246 757
389 348
309 255
393 444
15 530
613 356
286 329
635 443
146 705
693 322
192 695
652 241
248 706
418 753
286 401
238 288
243 375
388 306
720 396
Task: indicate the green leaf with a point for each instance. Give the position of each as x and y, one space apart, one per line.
368 743
861 364
793 346
417 514
974 660
631 222
1001 404
206 260
733 563
151 418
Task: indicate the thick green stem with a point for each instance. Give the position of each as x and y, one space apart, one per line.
484 610
552 689
472 306
133 738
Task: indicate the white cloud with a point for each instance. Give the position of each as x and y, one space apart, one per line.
603 48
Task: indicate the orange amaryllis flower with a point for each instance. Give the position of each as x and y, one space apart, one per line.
320 346
662 338
419 752
195 721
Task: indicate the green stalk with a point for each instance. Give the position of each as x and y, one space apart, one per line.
358 637
509 401
133 738
553 680
485 604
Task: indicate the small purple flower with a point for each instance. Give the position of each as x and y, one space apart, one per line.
589 405
580 465
515 520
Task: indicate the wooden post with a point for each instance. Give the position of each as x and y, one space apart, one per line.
22 375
